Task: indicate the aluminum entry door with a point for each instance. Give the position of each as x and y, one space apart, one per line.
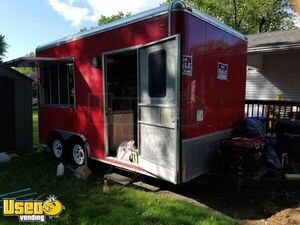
158 105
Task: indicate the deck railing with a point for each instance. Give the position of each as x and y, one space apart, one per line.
272 111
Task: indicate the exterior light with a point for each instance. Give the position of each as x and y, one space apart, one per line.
96 62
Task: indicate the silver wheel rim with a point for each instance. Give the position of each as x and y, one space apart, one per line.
78 154
57 148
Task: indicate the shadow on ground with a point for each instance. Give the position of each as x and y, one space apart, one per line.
255 201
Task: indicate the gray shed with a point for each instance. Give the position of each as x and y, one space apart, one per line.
16 111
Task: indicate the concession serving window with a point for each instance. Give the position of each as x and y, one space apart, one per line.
56 78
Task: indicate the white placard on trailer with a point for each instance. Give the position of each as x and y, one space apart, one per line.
187 65
222 71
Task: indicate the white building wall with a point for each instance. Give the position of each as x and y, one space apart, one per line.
272 75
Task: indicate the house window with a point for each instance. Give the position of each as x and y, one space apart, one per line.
57 84
157 70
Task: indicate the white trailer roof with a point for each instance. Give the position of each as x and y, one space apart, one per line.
176 5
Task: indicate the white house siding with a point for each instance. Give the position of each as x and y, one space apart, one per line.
277 74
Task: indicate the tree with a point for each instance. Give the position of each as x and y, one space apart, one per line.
3 47
27 70
83 29
249 16
107 19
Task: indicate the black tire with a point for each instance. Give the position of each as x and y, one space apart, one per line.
57 147
78 152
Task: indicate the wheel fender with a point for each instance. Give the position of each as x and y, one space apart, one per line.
67 135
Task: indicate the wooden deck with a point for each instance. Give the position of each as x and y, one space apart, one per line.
272 111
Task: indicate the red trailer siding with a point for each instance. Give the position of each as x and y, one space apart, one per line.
87 117
222 101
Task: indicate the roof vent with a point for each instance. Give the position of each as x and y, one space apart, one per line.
178 5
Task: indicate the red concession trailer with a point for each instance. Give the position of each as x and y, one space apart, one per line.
171 79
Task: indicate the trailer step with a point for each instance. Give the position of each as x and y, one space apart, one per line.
126 181
117 178
146 186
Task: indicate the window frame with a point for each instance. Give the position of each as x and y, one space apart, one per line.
41 86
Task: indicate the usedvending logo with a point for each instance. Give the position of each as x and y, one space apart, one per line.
32 211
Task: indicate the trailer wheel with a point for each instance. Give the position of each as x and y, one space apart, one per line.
78 152
57 146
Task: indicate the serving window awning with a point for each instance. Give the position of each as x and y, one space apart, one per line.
33 61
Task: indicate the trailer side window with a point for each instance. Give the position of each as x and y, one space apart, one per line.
57 82
71 83
63 92
157 78
45 95
54 84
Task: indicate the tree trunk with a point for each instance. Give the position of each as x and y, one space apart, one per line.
235 14
262 21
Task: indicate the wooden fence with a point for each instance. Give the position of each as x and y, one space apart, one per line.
272 111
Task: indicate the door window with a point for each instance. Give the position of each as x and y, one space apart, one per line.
157 79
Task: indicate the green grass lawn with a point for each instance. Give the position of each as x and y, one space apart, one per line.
86 204
35 127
